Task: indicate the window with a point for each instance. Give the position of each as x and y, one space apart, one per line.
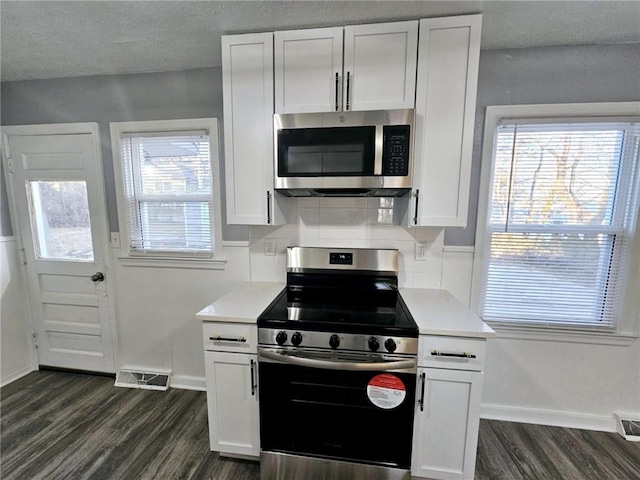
561 202
166 180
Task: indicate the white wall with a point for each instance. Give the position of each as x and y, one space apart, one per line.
564 383
15 330
156 309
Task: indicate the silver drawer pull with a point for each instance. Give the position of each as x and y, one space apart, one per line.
438 353
227 339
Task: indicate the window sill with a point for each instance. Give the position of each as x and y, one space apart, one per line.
603 336
174 262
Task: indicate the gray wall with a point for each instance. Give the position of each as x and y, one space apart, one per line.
117 98
571 74
589 73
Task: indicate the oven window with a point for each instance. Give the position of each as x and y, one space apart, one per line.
315 152
327 413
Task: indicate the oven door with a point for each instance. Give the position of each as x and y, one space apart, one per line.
350 407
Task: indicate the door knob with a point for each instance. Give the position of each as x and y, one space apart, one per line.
97 277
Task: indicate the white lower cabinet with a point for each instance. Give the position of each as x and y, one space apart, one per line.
446 424
232 400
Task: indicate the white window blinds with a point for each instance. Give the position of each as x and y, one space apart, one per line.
167 181
561 211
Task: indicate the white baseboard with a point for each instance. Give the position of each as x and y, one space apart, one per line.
15 376
186 382
548 417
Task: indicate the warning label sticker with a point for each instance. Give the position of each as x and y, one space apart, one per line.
386 391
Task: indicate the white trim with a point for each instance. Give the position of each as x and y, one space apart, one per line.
16 375
235 243
492 116
209 124
218 263
13 214
50 129
552 418
12 238
187 382
550 334
459 248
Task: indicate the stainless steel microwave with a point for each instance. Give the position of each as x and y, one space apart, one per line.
344 153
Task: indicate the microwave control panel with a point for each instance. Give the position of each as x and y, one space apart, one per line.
395 154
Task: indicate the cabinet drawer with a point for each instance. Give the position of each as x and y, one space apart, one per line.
230 337
457 353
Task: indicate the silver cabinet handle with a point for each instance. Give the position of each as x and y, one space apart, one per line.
337 94
348 86
329 365
268 208
415 212
438 353
253 375
219 338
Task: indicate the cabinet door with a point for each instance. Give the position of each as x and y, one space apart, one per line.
247 86
308 70
380 66
232 400
449 52
445 434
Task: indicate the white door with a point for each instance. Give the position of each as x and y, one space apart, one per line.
232 398
445 435
380 66
308 70
57 195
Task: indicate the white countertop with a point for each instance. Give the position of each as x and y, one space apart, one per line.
242 305
437 312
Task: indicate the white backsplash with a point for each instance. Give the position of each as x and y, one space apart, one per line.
348 222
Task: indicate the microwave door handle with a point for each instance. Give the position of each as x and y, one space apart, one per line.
377 159
330 365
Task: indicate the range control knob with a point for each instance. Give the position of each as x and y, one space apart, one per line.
374 344
390 345
281 338
296 339
334 341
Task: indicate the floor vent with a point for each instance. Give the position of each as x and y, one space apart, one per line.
140 379
629 428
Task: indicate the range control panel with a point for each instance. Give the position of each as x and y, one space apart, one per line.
340 258
395 154
337 341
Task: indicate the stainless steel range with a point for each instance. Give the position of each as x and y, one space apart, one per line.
337 364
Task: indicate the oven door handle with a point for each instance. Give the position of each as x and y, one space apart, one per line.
329 365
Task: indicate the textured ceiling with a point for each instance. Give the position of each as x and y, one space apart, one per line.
52 39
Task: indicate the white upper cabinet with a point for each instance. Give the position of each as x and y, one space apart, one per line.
247 86
374 69
380 66
449 52
308 70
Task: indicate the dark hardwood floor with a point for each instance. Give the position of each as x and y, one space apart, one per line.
70 426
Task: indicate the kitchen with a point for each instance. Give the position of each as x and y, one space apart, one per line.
532 380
